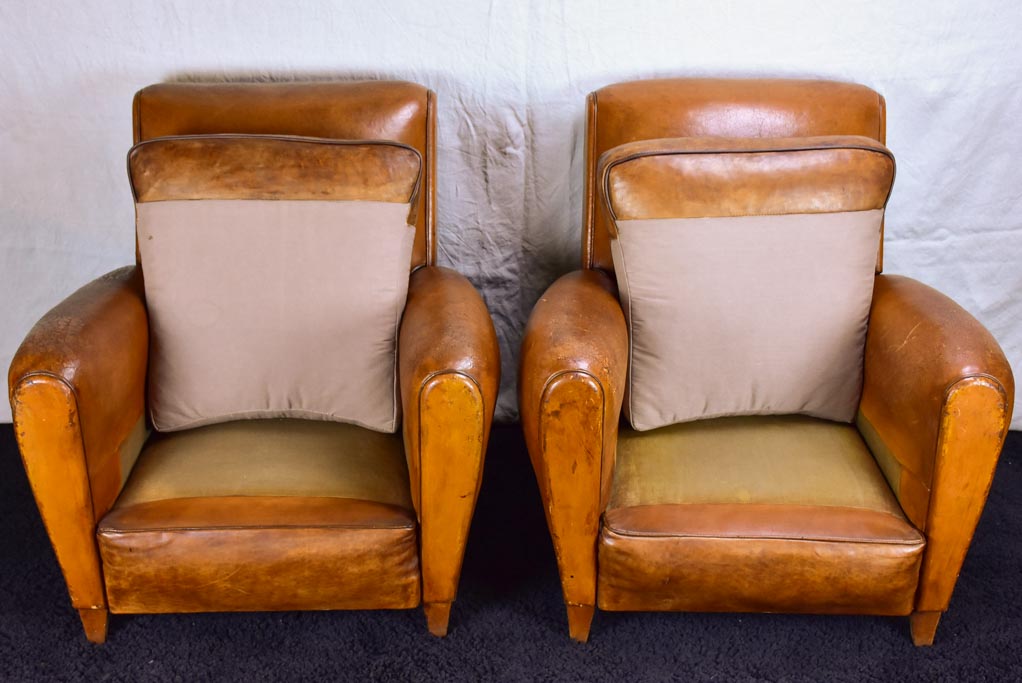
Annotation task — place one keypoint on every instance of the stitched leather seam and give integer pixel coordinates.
(631, 348)
(430, 237)
(239, 527)
(589, 258)
(808, 510)
(790, 538)
(260, 414)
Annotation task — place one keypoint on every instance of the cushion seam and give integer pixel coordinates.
(102, 531)
(789, 537)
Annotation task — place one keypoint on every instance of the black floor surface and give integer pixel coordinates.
(508, 623)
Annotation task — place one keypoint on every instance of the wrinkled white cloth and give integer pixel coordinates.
(511, 79)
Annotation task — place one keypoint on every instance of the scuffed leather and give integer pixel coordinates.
(274, 167)
(96, 342)
(706, 177)
(939, 393)
(448, 374)
(77, 390)
(571, 386)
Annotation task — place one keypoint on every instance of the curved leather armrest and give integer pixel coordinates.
(77, 391)
(571, 387)
(448, 372)
(936, 405)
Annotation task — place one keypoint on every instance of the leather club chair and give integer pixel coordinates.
(735, 508)
(279, 512)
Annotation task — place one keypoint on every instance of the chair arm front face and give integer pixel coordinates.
(449, 372)
(77, 391)
(571, 385)
(936, 406)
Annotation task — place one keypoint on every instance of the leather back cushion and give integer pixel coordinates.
(716, 107)
(276, 271)
(746, 272)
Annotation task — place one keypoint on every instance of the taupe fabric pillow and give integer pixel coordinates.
(746, 273)
(276, 271)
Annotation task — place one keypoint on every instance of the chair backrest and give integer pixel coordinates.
(356, 110)
(745, 268)
(736, 108)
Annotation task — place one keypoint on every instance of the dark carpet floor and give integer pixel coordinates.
(508, 623)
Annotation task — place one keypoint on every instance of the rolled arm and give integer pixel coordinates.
(77, 392)
(448, 373)
(936, 406)
(571, 386)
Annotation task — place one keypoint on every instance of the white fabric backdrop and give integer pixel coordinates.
(511, 79)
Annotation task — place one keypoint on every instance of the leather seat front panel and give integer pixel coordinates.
(756, 575)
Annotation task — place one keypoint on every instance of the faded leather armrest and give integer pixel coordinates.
(936, 405)
(77, 391)
(449, 372)
(571, 386)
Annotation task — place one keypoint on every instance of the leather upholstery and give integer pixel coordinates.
(296, 254)
(356, 110)
(274, 167)
(748, 573)
(449, 374)
(571, 385)
(795, 508)
(269, 514)
(249, 554)
(735, 108)
(781, 232)
(707, 177)
(725, 532)
(938, 397)
(77, 390)
(315, 498)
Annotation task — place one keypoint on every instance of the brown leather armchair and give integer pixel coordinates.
(262, 514)
(755, 513)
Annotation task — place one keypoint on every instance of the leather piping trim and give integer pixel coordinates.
(589, 208)
(44, 373)
(430, 181)
(289, 414)
(631, 336)
(605, 181)
(412, 200)
(775, 537)
(261, 527)
(426, 381)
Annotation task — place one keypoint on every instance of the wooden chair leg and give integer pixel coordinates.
(94, 621)
(438, 614)
(580, 618)
(924, 627)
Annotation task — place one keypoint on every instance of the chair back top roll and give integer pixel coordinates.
(719, 108)
(398, 111)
